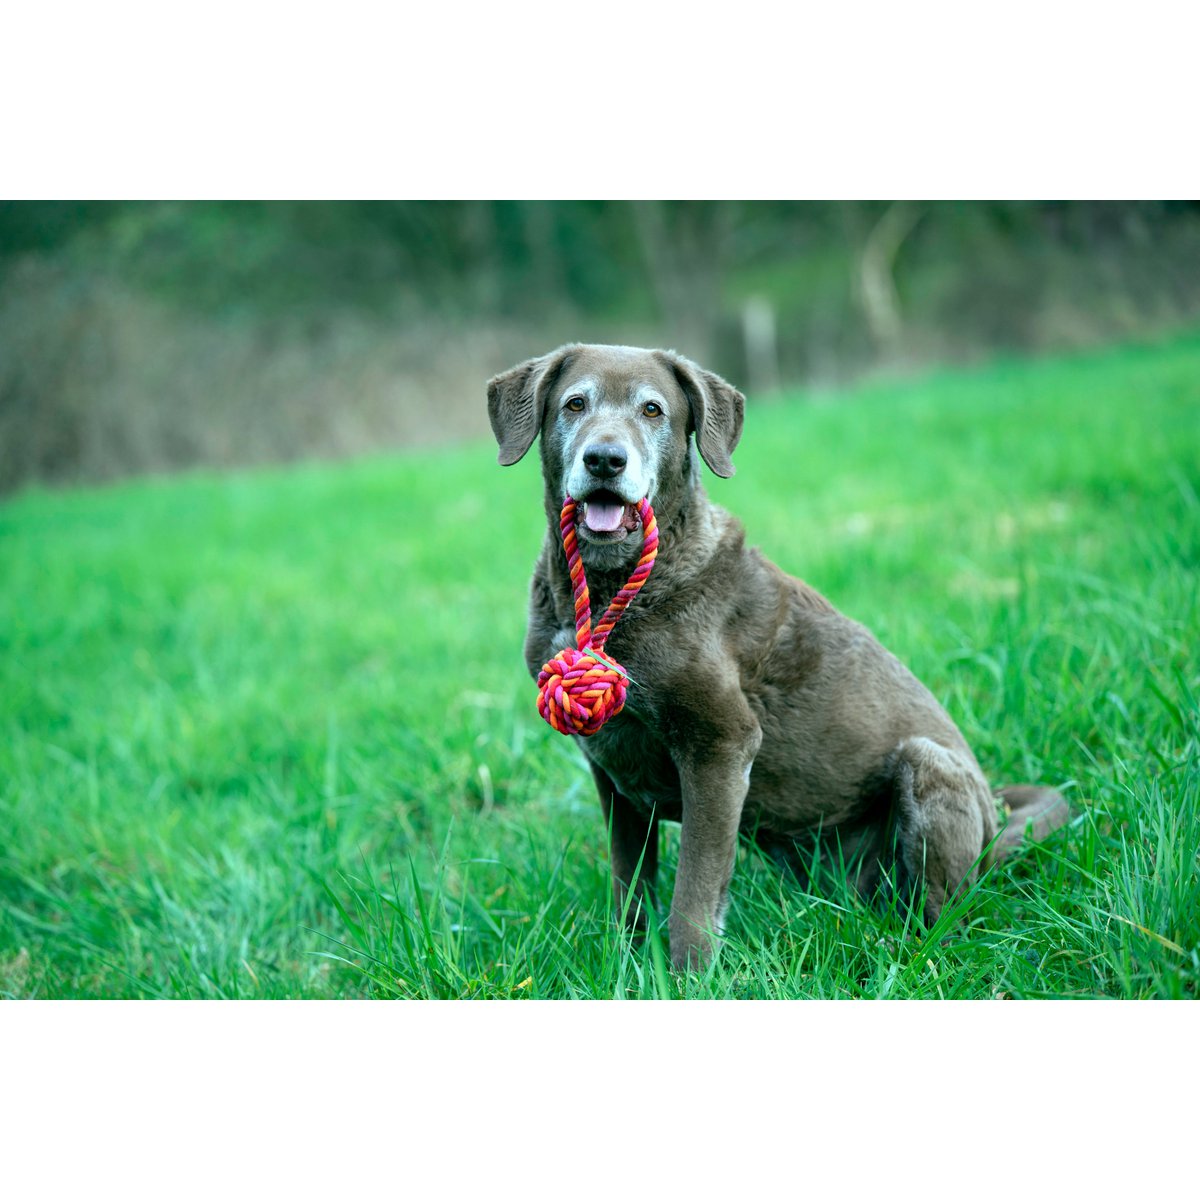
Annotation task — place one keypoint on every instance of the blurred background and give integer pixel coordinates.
(150, 336)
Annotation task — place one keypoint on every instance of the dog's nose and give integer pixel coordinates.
(604, 460)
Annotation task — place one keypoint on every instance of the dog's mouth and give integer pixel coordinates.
(606, 517)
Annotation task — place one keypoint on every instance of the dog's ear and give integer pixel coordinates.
(517, 400)
(717, 408)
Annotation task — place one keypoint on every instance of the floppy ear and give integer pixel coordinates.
(718, 409)
(517, 399)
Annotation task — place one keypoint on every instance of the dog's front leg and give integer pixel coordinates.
(633, 851)
(714, 778)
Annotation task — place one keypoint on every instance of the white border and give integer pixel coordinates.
(535, 1099)
(930, 99)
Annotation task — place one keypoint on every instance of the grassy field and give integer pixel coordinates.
(269, 735)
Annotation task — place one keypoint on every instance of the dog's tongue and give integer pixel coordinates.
(604, 518)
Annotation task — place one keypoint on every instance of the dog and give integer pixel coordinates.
(756, 707)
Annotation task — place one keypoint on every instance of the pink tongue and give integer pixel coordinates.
(604, 518)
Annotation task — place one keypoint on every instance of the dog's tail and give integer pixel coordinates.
(1033, 810)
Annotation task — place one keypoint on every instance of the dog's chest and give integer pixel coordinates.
(628, 748)
(638, 764)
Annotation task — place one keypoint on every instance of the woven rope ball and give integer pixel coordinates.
(577, 692)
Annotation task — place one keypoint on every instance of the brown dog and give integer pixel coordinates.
(757, 706)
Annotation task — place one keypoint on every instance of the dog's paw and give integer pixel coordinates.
(692, 949)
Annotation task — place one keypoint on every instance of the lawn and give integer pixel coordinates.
(269, 734)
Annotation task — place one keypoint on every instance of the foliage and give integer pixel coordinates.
(145, 336)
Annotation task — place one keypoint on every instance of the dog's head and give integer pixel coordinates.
(615, 424)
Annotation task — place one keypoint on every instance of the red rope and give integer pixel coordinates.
(579, 688)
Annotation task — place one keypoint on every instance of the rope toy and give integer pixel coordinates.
(579, 689)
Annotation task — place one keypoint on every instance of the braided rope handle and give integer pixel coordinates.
(585, 636)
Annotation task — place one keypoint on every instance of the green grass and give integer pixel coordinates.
(269, 735)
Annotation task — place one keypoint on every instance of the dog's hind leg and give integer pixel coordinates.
(945, 816)
(633, 851)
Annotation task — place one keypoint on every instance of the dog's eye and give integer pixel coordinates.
(574, 404)
(651, 409)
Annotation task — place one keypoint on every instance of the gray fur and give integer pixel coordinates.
(757, 707)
